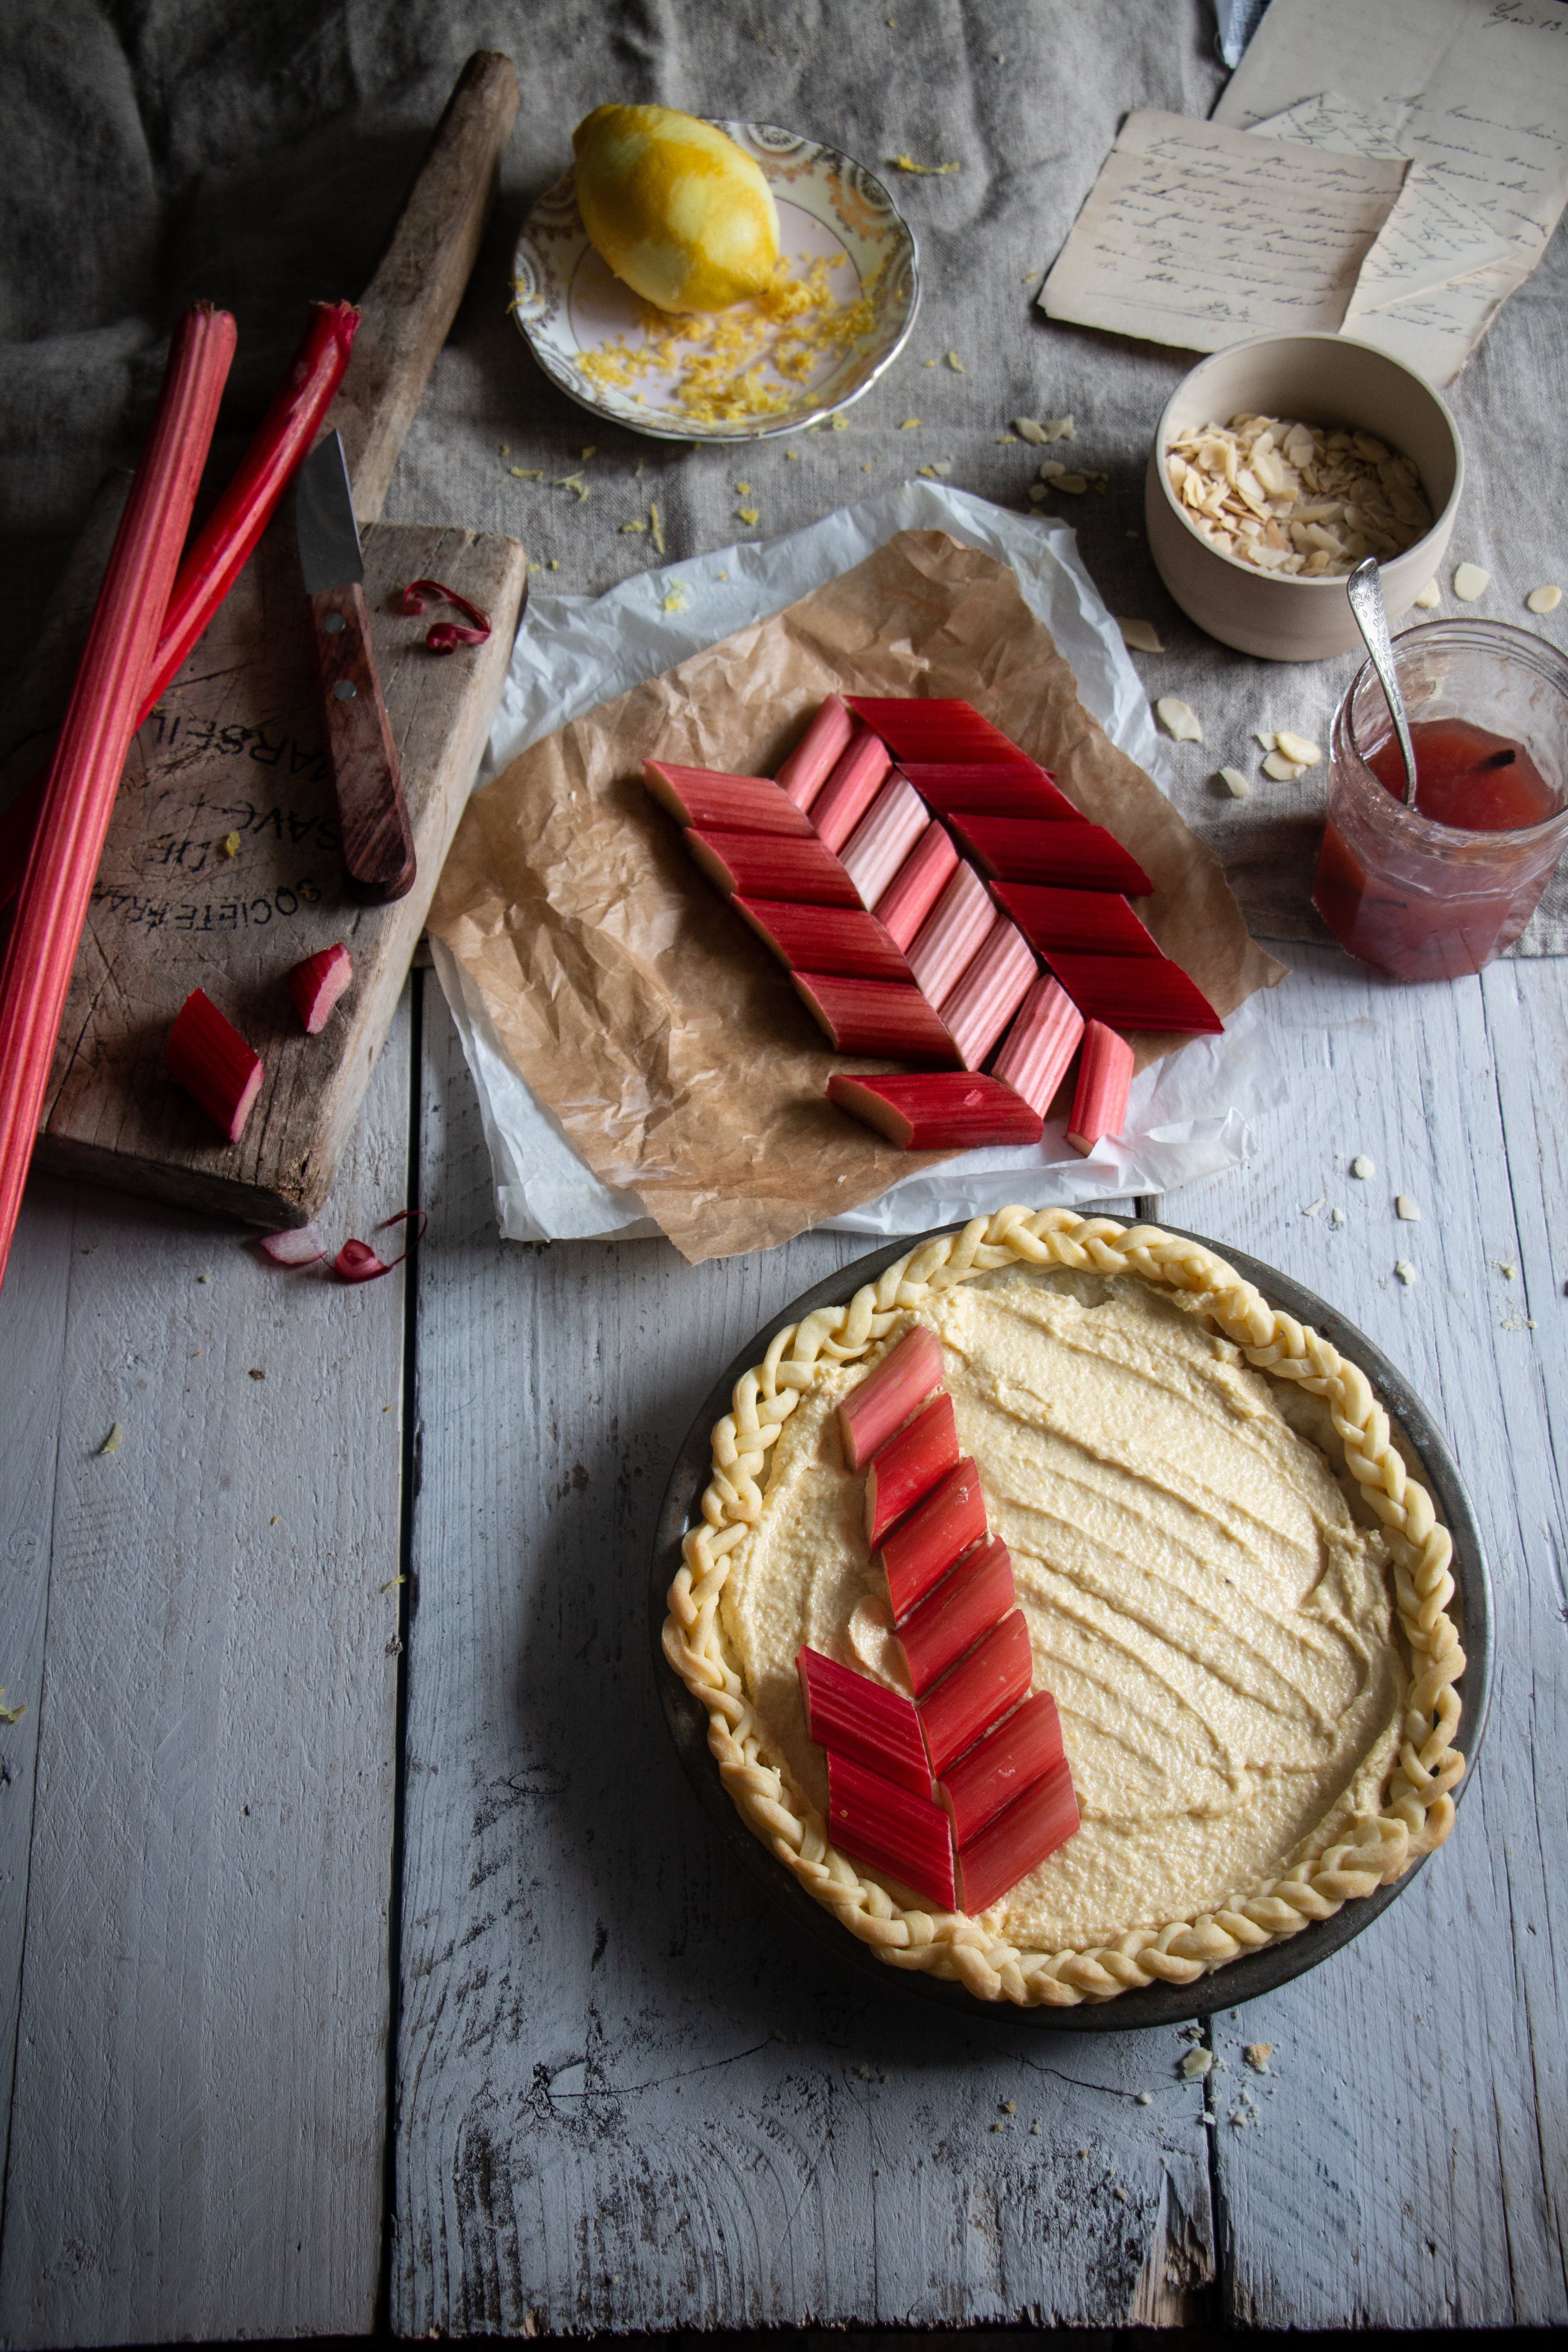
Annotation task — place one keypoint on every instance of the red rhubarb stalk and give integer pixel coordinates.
(1037, 1050)
(922, 1548)
(884, 838)
(317, 983)
(1018, 1840)
(938, 1110)
(881, 1402)
(918, 885)
(1027, 849)
(850, 1714)
(951, 933)
(734, 804)
(985, 996)
(1135, 991)
(876, 1016)
(994, 1677)
(1010, 1757)
(772, 866)
(207, 1056)
(914, 1460)
(99, 722)
(1087, 922)
(446, 637)
(1104, 1078)
(844, 941)
(906, 1837)
(223, 547)
(989, 789)
(850, 789)
(953, 1616)
(817, 753)
(935, 728)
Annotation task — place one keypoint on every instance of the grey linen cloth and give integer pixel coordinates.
(162, 150)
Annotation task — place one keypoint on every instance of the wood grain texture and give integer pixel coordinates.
(630, 2096)
(196, 2138)
(412, 298)
(220, 871)
(376, 839)
(1403, 2164)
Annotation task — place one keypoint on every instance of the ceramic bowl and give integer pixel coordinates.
(569, 304)
(1324, 380)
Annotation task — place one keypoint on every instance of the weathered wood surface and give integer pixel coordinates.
(235, 755)
(193, 1990)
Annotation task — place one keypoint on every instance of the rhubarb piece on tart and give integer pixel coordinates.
(903, 1471)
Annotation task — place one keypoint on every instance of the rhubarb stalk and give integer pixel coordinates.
(886, 1398)
(876, 1016)
(904, 1836)
(734, 804)
(951, 1618)
(850, 789)
(317, 983)
(984, 999)
(918, 885)
(915, 1459)
(772, 866)
(922, 1548)
(884, 838)
(1010, 1757)
(226, 543)
(1104, 1078)
(817, 754)
(1035, 1053)
(988, 789)
(939, 1110)
(968, 1700)
(850, 1714)
(951, 933)
(845, 941)
(1018, 1840)
(101, 719)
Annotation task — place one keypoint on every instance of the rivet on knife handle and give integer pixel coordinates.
(377, 841)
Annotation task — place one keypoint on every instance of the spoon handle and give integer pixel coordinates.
(1364, 590)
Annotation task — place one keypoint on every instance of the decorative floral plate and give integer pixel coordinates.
(847, 240)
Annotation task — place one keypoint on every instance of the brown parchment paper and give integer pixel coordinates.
(642, 1012)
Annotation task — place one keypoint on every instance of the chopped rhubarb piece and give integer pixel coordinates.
(994, 1677)
(932, 728)
(850, 1714)
(881, 1402)
(1134, 991)
(989, 991)
(733, 803)
(316, 985)
(907, 1838)
(1035, 1053)
(953, 1617)
(876, 1016)
(850, 789)
(1083, 922)
(843, 940)
(1012, 1756)
(922, 1548)
(817, 753)
(938, 1110)
(212, 1061)
(1018, 1840)
(1073, 856)
(914, 1460)
(986, 788)
(772, 866)
(918, 883)
(884, 838)
(952, 932)
(1099, 1098)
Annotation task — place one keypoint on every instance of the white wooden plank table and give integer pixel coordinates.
(621, 2093)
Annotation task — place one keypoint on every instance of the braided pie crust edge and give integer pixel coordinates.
(1417, 1808)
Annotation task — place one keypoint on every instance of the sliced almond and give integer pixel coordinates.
(1296, 747)
(1141, 635)
(1178, 718)
(1283, 771)
(1261, 736)
(1431, 596)
(1470, 582)
(1235, 783)
(1544, 600)
(1028, 430)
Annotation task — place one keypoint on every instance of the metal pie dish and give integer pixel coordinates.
(1239, 1980)
(567, 302)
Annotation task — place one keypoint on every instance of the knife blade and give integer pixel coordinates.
(376, 840)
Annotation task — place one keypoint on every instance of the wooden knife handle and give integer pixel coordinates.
(412, 300)
(377, 841)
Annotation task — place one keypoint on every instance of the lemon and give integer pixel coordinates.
(678, 211)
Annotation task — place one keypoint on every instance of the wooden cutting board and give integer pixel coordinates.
(220, 870)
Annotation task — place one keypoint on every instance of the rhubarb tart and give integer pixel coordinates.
(1067, 1618)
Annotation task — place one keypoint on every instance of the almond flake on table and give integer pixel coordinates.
(1431, 596)
(1235, 783)
(1470, 582)
(1544, 599)
(1405, 1270)
(956, 365)
(1178, 718)
(1141, 635)
(1363, 1167)
(1261, 735)
(1296, 747)
(1283, 771)
(1406, 1209)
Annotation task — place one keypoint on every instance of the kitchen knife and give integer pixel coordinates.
(376, 842)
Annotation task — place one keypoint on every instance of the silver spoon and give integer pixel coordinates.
(1364, 590)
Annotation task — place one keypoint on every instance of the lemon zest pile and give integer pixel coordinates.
(727, 366)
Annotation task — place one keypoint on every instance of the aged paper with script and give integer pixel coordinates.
(1475, 92)
(640, 1011)
(1202, 235)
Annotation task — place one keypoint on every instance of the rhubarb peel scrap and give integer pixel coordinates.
(882, 1401)
(906, 1837)
(850, 1714)
(903, 1471)
(295, 1246)
(357, 1262)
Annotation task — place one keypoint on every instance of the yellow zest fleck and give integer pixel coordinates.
(393, 1581)
(272, 1522)
(506, 448)
(928, 171)
(11, 1713)
(956, 365)
(527, 473)
(590, 451)
(111, 1442)
(554, 564)
(675, 601)
(1003, 439)
(747, 514)
(841, 425)
(229, 845)
(928, 364)
(742, 489)
(723, 575)
(792, 456)
(909, 424)
(634, 526)
(656, 525)
(569, 482)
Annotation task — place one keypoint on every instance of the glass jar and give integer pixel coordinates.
(1422, 900)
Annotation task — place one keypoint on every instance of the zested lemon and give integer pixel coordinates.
(678, 211)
